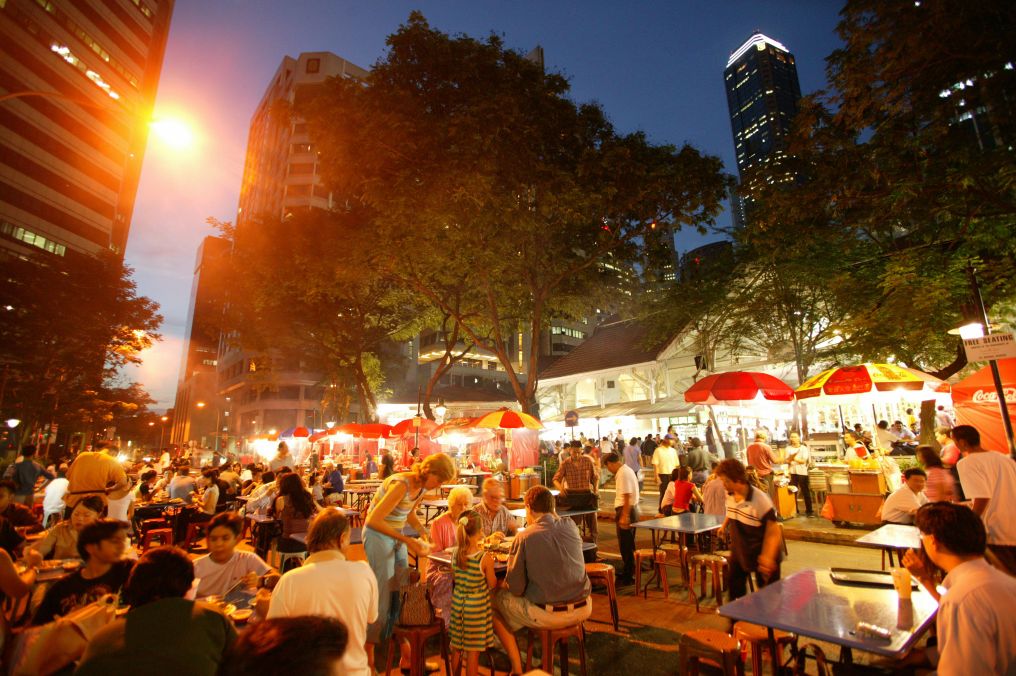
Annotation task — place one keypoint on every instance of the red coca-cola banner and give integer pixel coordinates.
(976, 403)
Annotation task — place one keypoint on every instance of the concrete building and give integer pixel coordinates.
(280, 176)
(197, 405)
(77, 85)
(762, 93)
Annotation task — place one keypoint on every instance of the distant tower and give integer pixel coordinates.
(762, 94)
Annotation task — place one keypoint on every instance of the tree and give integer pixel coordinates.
(314, 285)
(477, 172)
(70, 323)
(905, 176)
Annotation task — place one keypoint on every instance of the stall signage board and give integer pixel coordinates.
(994, 346)
(571, 419)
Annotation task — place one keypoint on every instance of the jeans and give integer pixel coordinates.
(804, 486)
(626, 541)
(385, 555)
(664, 482)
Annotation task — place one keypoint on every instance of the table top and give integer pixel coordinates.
(688, 522)
(810, 603)
(445, 556)
(442, 503)
(892, 535)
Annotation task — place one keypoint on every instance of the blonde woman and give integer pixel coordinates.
(443, 536)
(394, 506)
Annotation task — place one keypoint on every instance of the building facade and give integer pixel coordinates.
(762, 94)
(77, 86)
(197, 405)
(280, 176)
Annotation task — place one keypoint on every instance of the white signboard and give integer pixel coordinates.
(995, 346)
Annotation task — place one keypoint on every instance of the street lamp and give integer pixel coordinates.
(12, 422)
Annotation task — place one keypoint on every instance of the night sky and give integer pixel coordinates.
(653, 66)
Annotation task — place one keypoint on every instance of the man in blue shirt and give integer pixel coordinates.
(26, 473)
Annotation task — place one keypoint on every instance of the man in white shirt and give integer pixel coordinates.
(626, 511)
(52, 501)
(901, 506)
(664, 461)
(327, 584)
(976, 631)
(989, 479)
(885, 437)
(224, 566)
(799, 457)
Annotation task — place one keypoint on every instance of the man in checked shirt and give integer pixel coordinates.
(576, 479)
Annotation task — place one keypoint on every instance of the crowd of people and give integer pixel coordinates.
(168, 607)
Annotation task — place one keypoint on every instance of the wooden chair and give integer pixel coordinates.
(712, 647)
(754, 638)
(417, 638)
(703, 564)
(605, 572)
(549, 640)
(657, 560)
(164, 536)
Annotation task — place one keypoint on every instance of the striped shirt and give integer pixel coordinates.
(472, 625)
(397, 517)
(748, 519)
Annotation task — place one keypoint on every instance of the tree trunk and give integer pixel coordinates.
(927, 437)
(957, 364)
(368, 404)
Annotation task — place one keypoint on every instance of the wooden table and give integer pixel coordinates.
(810, 603)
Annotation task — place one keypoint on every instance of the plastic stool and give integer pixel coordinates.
(605, 572)
(417, 638)
(755, 637)
(712, 647)
(163, 535)
(549, 639)
(194, 530)
(703, 564)
(283, 557)
(659, 561)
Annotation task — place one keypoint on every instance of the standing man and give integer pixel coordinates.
(311, 589)
(700, 461)
(760, 456)
(626, 512)
(754, 532)
(96, 473)
(576, 479)
(631, 458)
(799, 457)
(648, 446)
(989, 479)
(664, 461)
(26, 473)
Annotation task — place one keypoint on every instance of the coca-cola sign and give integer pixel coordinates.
(991, 396)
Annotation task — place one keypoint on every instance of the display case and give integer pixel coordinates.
(863, 501)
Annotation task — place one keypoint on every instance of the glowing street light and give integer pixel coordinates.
(174, 132)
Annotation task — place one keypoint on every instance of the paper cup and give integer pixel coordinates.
(901, 580)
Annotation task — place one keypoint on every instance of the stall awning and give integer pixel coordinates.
(664, 408)
(608, 411)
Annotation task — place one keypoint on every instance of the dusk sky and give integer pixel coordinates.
(653, 66)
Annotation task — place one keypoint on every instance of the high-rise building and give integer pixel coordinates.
(77, 86)
(197, 399)
(280, 175)
(762, 94)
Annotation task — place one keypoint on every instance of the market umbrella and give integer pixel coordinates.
(507, 419)
(931, 383)
(373, 431)
(859, 379)
(738, 386)
(295, 432)
(317, 436)
(734, 388)
(406, 427)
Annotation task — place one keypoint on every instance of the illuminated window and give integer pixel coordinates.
(32, 239)
(67, 55)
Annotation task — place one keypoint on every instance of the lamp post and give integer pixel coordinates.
(162, 431)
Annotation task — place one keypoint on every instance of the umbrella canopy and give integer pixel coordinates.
(406, 427)
(317, 436)
(931, 383)
(738, 386)
(508, 419)
(365, 430)
(295, 432)
(464, 430)
(860, 379)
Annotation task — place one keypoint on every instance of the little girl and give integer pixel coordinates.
(472, 626)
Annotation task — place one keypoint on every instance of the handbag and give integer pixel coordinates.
(416, 610)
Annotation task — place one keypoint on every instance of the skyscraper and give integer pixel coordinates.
(198, 384)
(280, 175)
(762, 94)
(77, 86)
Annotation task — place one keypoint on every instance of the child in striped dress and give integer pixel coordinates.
(472, 622)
